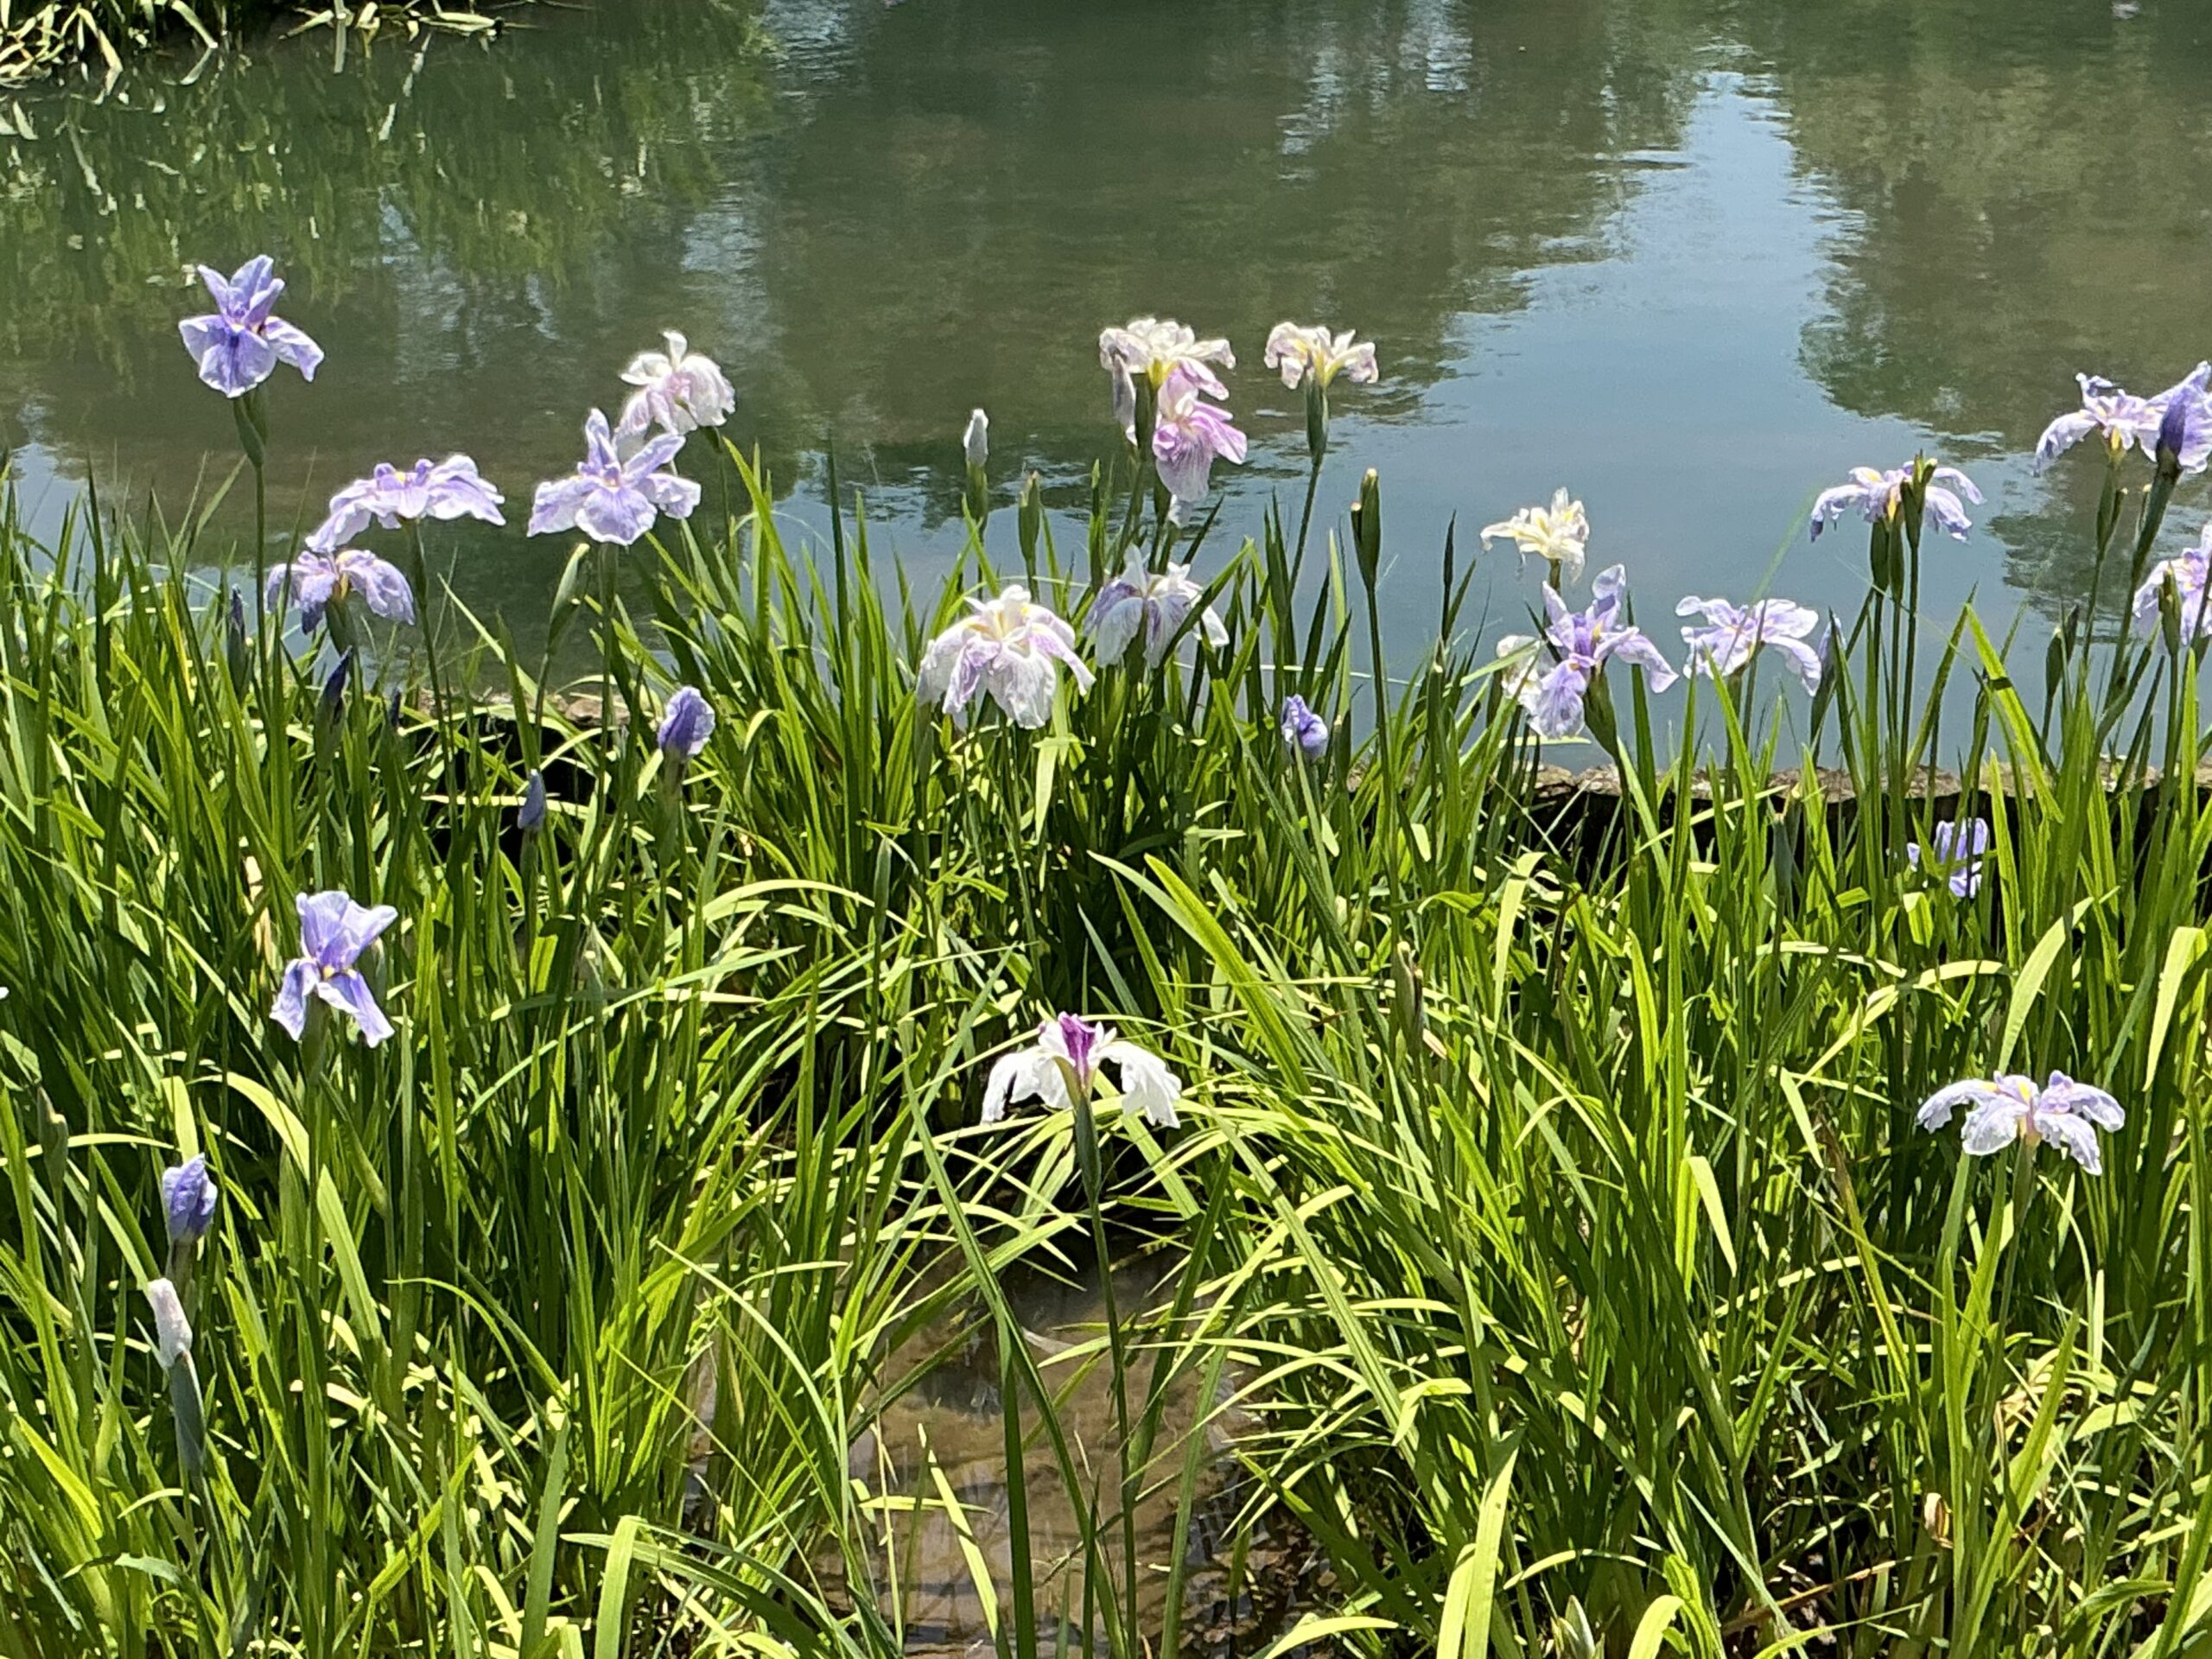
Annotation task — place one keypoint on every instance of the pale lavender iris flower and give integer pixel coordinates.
(318, 581)
(1581, 643)
(1190, 435)
(1299, 352)
(1954, 853)
(2125, 419)
(1008, 648)
(334, 933)
(239, 344)
(1559, 534)
(1303, 730)
(188, 1198)
(686, 724)
(1062, 1066)
(679, 391)
(2190, 573)
(1733, 632)
(1138, 602)
(611, 499)
(1875, 496)
(1156, 348)
(2009, 1107)
(451, 488)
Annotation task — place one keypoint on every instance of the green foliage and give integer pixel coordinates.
(1548, 1222)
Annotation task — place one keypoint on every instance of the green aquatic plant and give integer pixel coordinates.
(1532, 1185)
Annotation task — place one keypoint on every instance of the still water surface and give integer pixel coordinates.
(1694, 258)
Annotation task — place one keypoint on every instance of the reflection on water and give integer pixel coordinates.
(1693, 257)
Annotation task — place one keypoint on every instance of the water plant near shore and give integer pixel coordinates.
(1542, 1197)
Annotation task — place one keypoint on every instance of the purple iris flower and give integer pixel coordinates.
(2009, 1107)
(333, 932)
(2185, 427)
(1956, 853)
(687, 725)
(1733, 632)
(611, 499)
(334, 689)
(1303, 729)
(2127, 419)
(530, 818)
(317, 580)
(1876, 496)
(2191, 572)
(446, 489)
(1582, 643)
(188, 1200)
(238, 344)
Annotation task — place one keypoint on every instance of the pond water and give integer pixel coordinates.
(1693, 257)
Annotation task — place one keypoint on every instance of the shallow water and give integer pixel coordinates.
(934, 1468)
(1693, 257)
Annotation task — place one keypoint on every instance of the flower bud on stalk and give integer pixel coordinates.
(173, 1346)
(188, 1201)
(530, 818)
(1912, 499)
(975, 449)
(1144, 410)
(2180, 449)
(1884, 566)
(1406, 1006)
(685, 729)
(2173, 435)
(250, 411)
(1317, 419)
(1029, 519)
(1367, 527)
(334, 689)
(235, 654)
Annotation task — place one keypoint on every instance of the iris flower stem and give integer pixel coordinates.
(608, 643)
(260, 537)
(1305, 517)
(1091, 1166)
(2024, 1158)
(1140, 442)
(2154, 516)
(313, 1078)
(2107, 522)
(1904, 651)
(1386, 775)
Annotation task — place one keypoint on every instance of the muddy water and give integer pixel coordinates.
(943, 1445)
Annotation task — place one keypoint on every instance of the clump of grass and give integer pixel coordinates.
(39, 37)
(1547, 1222)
